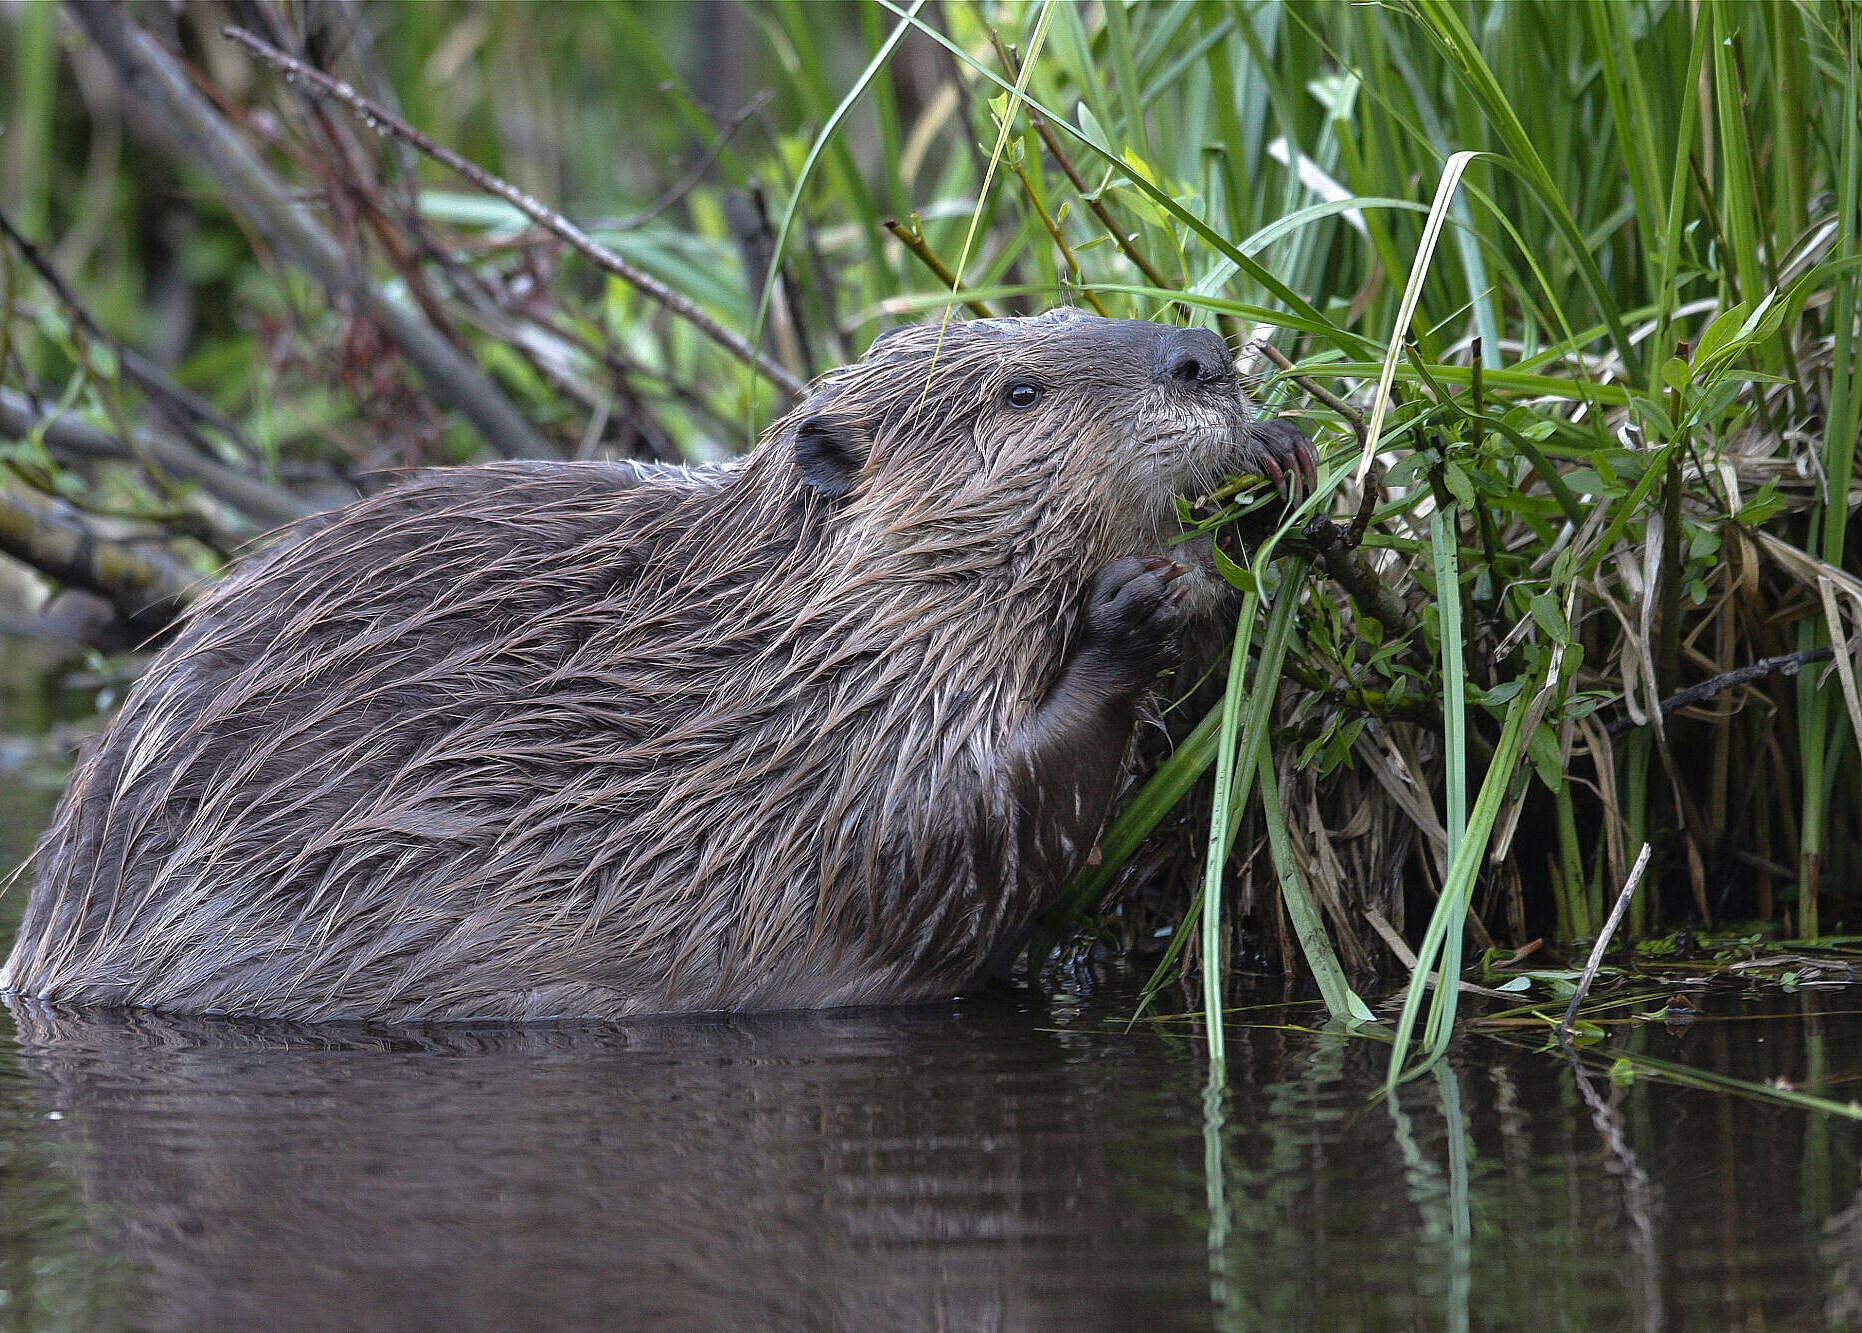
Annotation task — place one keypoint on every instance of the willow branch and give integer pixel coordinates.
(196, 132)
(1339, 556)
(913, 239)
(1349, 570)
(378, 117)
(1087, 195)
(1314, 389)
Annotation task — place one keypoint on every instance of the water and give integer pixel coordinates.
(978, 1165)
(1011, 1162)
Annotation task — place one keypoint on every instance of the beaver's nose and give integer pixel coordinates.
(1193, 357)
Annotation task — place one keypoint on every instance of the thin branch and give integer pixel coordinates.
(914, 240)
(1788, 664)
(1058, 236)
(1313, 388)
(196, 132)
(1374, 481)
(378, 118)
(1339, 557)
(1353, 536)
(70, 437)
(1350, 571)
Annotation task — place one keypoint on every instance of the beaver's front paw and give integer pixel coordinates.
(1131, 619)
(1280, 449)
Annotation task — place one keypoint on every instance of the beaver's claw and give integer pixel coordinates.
(1280, 449)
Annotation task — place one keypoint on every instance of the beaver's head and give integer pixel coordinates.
(1064, 431)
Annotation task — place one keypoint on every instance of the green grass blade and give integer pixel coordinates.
(829, 134)
(1452, 172)
(1159, 795)
(1308, 926)
(1632, 112)
(1347, 341)
(1444, 552)
(1733, 196)
(1435, 954)
(1220, 835)
(1839, 446)
(1465, 58)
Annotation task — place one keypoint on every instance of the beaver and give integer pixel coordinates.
(820, 726)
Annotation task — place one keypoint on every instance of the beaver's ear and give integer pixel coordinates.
(830, 451)
(897, 330)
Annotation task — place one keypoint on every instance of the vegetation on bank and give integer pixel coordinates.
(1567, 294)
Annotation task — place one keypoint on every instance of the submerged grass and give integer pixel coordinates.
(1570, 293)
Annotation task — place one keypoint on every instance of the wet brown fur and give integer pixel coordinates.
(529, 741)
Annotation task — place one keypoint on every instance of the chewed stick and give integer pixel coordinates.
(1603, 942)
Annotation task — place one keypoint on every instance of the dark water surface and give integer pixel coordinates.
(1007, 1163)
(980, 1165)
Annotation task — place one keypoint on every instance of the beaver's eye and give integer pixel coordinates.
(1022, 394)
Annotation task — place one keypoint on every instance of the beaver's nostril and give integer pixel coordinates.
(1193, 356)
(1188, 369)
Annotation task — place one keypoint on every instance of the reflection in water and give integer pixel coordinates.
(1842, 1250)
(1642, 1280)
(1441, 1200)
(989, 1165)
(776, 1171)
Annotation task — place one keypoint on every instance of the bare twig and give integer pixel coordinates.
(1788, 664)
(378, 118)
(1404, 955)
(913, 239)
(196, 131)
(690, 181)
(1603, 942)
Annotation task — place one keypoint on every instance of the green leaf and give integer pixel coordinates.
(1549, 617)
(1456, 479)
(1765, 505)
